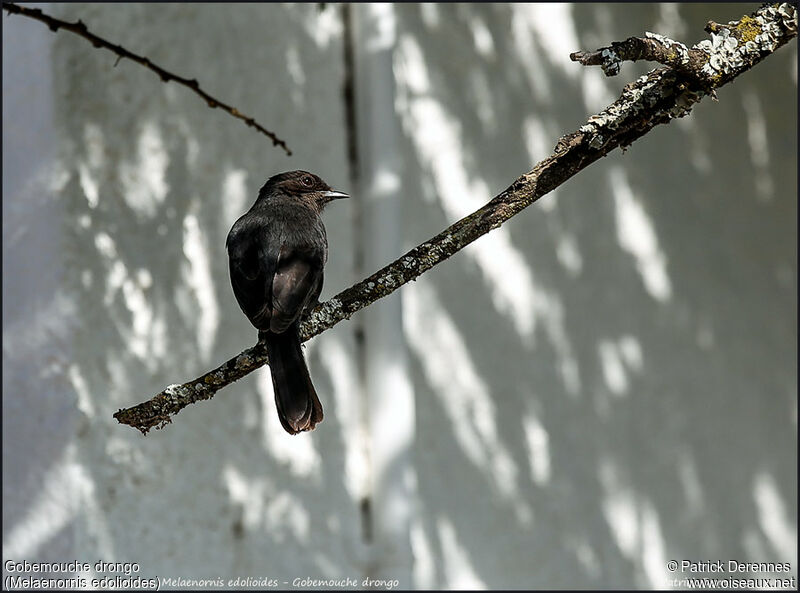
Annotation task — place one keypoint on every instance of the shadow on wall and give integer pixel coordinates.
(603, 384)
(608, 378)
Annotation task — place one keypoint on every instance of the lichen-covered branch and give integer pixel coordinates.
(732, 48)
(653, 48)
(656, 98)
(79, 28)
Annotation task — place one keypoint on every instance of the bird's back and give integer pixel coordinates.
(277, 235)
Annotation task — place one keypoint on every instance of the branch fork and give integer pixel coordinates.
(710, 62)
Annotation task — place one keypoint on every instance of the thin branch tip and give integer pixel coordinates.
(79, 28)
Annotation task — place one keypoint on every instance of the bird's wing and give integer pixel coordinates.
(251, 269)
(297, 280)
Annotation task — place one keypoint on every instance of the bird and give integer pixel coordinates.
(277, 252)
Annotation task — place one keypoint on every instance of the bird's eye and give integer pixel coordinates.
(307, 181)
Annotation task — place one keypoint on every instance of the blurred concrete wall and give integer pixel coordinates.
(604, 384)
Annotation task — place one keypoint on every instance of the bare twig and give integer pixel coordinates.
(654, 99)
(79, 28)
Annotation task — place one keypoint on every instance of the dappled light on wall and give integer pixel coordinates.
(636, 235)
(602, 384)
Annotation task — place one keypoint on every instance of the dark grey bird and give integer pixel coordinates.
(276, 254)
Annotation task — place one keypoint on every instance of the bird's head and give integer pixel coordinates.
(301, 185)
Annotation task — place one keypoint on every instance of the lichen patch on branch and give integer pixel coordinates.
(738, 43)
(681, 53)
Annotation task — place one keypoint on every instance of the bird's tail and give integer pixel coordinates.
(299, 408)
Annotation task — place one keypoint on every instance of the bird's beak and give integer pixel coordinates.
(335, 195)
